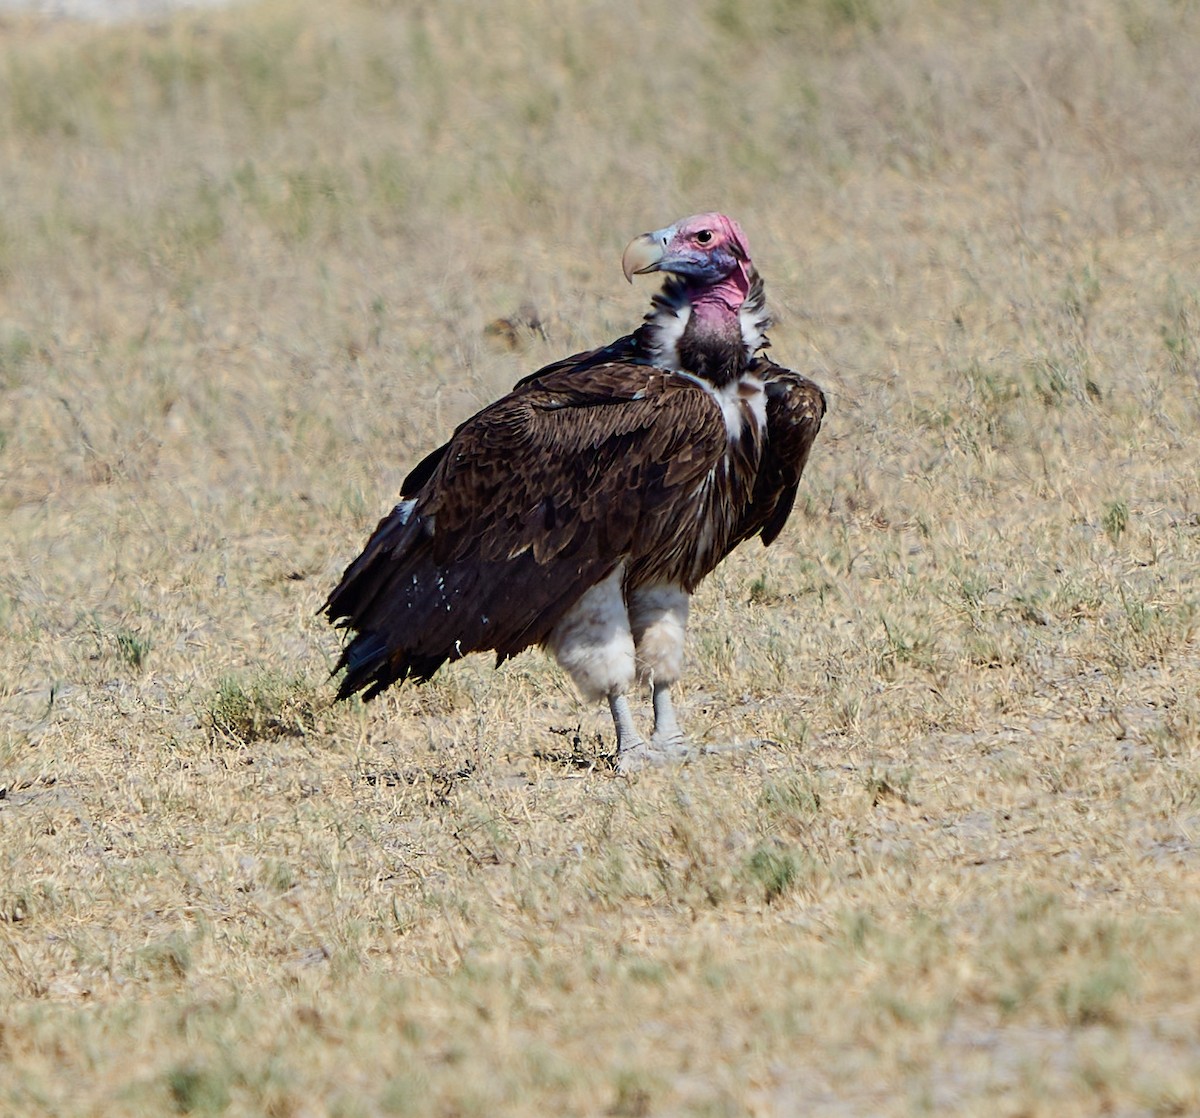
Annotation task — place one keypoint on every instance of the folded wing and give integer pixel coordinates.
(589, 463)
(795, 409)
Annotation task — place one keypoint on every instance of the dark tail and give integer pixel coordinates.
(409, 616)
(376, 598)
(371, 667)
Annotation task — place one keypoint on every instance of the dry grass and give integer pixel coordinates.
(247, 264)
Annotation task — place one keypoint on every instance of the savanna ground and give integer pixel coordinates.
(251, 267)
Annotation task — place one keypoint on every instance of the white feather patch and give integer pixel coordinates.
(754, 322)
(658, 615)
(670, 323)
(667, 322)
(738, 400)
(593, 642)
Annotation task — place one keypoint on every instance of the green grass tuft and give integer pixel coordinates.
(775, 870)
(133, 647)
(1115, 520)
(198, 1090)
(263, 707)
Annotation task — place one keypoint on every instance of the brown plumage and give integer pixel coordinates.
(581, 509)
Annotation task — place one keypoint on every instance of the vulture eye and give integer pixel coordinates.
(704, 236)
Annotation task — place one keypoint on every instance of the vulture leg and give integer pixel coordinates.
(666, 747)
(629, 742)
(658, 618)
(668, 736)
(632, 751)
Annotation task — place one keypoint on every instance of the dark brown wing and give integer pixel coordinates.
(530, 503)
(624, 350)
(795, 408)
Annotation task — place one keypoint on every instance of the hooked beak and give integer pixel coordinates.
(644, 254)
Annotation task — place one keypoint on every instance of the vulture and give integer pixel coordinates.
(580, 511)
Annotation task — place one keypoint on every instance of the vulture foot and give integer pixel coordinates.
(655, 755)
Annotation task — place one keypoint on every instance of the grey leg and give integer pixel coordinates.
(628, 739)
(668, 745)
(668, 736)
(665, 748)
(632, 751)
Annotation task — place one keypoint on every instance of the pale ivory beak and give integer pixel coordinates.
(642, 254)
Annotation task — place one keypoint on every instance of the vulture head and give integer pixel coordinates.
(707, 251)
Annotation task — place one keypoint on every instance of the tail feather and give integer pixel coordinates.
(371, 666)
(362, 658)
(410, 615)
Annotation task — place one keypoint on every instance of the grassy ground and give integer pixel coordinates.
(249, 266)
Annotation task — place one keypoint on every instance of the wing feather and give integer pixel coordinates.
(795, 409)
(530, 503)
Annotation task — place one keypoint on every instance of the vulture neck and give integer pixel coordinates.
(710, 332)
(711, 346)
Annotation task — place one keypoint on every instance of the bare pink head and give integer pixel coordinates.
(707, 251)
